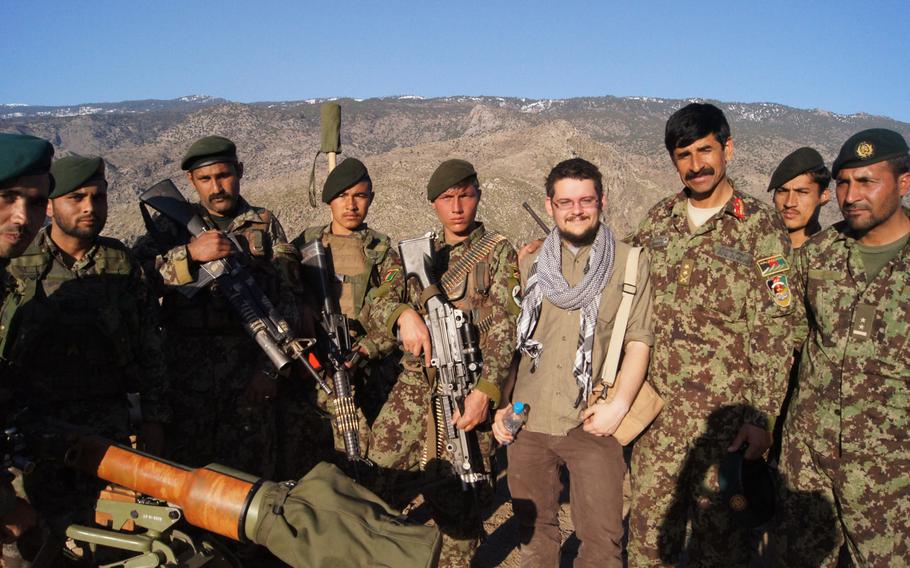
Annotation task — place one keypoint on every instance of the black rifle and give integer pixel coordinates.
(536, 217)
(259, 317)
(335, 344)
(456, 357)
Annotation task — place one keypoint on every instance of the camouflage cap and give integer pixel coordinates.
(75, 171)
(449, 174)
(348, 173)
(22, 155)
(798, 162)
(869, 147)
(207, 151)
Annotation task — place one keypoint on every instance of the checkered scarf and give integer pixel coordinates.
(545, 280)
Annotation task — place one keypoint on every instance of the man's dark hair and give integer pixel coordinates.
(822, 176)
(693, 122)
(900, 165)
(575, 168)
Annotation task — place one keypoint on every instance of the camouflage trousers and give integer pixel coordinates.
(678, 510)
(861, 499)
(399, 447)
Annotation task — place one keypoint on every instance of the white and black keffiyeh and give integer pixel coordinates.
(545, 280)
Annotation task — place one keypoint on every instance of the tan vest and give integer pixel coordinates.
(350, 266)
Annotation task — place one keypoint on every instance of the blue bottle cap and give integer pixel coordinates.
(518, 407)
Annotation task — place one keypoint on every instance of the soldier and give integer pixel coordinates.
(579, 272)
(83, 333)
(25, 183)
(489, 278)
(800, 186)
(360, 256)
(723, 313)
(846, 437)
(224, 387)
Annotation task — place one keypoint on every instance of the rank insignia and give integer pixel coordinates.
(739, 210)
(864, 150)
(779, 287)
(773, 265)
(390, 275)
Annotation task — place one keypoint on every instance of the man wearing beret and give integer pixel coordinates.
(800, 186)
(847, 436)
(724, 318)
(83, 332)
(224, 387)
(25, 183)
(401, 440)
(362, 259)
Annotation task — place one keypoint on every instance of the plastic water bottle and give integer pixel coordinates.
(516, 417)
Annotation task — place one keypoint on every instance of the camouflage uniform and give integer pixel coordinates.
(212, 359)
(360, 260)
(847, 436)
(402, 439)
(724, 316)
(81, 335)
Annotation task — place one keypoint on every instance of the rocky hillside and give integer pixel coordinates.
(513, 143)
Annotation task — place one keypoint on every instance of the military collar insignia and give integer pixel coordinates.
(864, 150)
(739, 209)
(773, 265)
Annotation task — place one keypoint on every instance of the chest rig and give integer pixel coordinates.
(72, 329)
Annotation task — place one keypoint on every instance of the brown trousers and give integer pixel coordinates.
(596, 470)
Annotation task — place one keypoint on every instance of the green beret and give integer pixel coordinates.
(23, 155)
(348, 173)
(797, 163)
(207, 151)
(869, 147)
(449, 174)
(75, 171)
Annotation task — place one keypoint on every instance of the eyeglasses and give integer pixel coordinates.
(566, 204)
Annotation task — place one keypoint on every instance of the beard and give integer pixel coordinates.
(72, 229)
(874, 219)
(579, 239)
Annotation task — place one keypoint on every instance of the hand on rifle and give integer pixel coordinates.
(210, 245)
(414, 335)
(759, 441)
(476, 410)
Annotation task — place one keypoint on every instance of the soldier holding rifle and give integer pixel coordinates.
(224, 386)
(477, 270)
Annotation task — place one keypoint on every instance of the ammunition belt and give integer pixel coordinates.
(451, 281)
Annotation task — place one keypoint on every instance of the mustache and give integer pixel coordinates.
(857, 206)
(705, 171)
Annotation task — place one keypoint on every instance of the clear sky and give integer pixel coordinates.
(841, 55)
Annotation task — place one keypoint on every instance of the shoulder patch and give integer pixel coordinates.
(390, 275)
(773, 265)
(779, 287)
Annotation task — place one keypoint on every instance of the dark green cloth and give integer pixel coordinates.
(797, 163)
(22, 155)
(330, 133)
(869, 147)
(348, 173)
(207, 151)
(449, 174)
(74, 171)
(876, 257)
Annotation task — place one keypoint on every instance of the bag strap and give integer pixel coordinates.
(629, 288)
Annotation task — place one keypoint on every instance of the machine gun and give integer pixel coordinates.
(456, 358)
(299, 522)
(259, 317)
(335, 344)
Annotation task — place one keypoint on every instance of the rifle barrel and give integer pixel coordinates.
(536, 217)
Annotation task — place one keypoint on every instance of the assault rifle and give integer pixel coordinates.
(456, 358)
(335, 344)
(138, 514)
(259, 317)
(543, 226)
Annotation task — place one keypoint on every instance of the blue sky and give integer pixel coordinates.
(843, 56)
